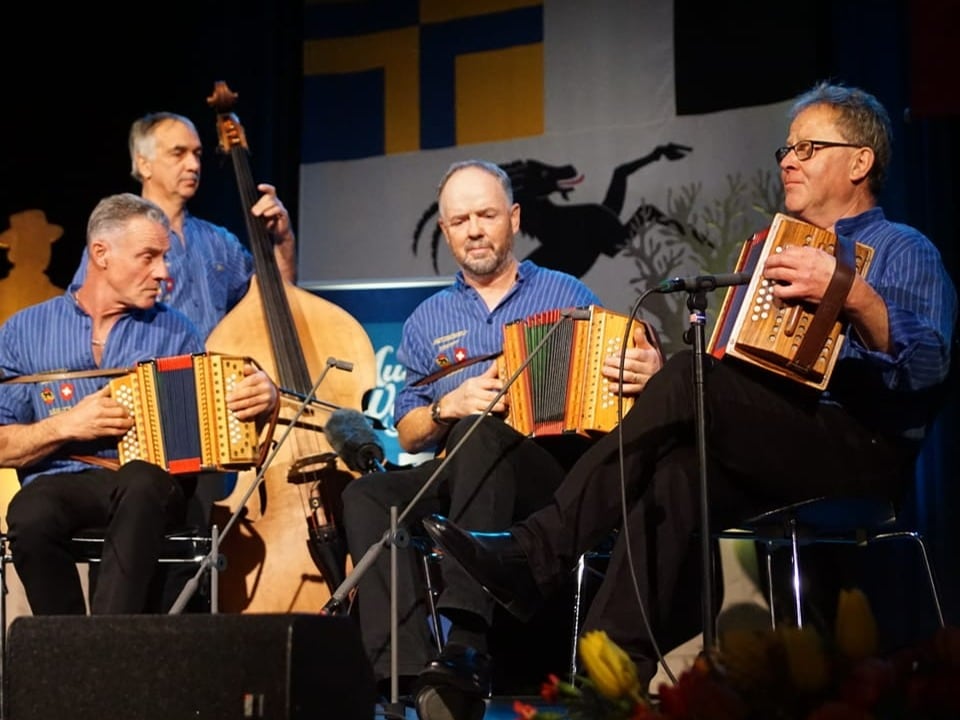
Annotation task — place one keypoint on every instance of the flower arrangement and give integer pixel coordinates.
(783, 674)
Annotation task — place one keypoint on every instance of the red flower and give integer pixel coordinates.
(642, 711)
(549, 690)
(933, 692)
(869, 681)
(524, 711)
(698, 694)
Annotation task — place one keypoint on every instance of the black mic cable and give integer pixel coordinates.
(625, 526)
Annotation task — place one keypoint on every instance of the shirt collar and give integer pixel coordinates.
(848, 225)
(525, 269)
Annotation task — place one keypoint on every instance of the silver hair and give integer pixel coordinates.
(142, 140)
(862, 120)
(492, 168)
(114, 212)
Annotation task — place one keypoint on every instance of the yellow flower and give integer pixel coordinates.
(608, 666)
(806, 659)
(856, 629)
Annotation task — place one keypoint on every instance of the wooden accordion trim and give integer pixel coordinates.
(562, 389)
(182, 421)
(755, 327)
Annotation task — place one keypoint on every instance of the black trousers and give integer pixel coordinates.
(770, 443)
(134, 505)
(170, 578)
(495, 478)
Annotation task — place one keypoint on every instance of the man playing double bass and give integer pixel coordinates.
(209, 268)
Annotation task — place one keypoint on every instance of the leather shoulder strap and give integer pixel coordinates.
(65, 375)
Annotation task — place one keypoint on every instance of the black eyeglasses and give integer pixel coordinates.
(805, 148)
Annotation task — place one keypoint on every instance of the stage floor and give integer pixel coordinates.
(498, 708)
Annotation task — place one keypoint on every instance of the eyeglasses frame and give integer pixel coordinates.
(781, 152)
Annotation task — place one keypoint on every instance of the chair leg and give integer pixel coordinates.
(215, 569)
(795, 556)
(770, 594)
(934, 593)
(580, 574)
(427, 560)
(927, 565)
(3, 625)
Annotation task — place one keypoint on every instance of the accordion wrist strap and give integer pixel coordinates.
(830, 306)
(108, 463)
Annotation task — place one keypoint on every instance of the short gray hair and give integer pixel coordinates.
(862, 119)
(142, 140)
(114, 212)
(492, 168)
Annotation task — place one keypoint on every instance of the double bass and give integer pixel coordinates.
(283, 553)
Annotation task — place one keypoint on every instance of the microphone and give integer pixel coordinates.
(703, 282)
(352, 438)
(344, 365)
(576, 313)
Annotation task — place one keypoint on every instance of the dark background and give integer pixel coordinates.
(74, 79)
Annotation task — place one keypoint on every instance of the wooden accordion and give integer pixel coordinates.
(562, 388)
(181, 419)
(796, 340)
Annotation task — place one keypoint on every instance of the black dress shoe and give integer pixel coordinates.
(459, 666)
(494, 560)
(448, 703)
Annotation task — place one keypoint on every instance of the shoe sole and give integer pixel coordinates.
(432, 680)
(448, 703)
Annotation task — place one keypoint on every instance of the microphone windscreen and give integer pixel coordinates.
(352, 438)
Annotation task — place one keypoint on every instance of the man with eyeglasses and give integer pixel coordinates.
(772, 441)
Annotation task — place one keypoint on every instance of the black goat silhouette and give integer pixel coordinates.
(572, 237)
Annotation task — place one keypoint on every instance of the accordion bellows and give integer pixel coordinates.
(182, 423)
(562, 389)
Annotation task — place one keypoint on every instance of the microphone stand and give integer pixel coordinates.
(213, 560)
(395, 537)
(697, 304)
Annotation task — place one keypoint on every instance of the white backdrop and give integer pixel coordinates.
(607, 92)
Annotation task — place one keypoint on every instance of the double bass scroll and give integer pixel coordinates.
(291, 333)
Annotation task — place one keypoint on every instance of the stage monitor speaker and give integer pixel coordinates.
(180, 667)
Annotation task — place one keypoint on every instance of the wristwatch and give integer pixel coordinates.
(435, 414)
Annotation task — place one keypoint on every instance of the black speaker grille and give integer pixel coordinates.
(187, 667)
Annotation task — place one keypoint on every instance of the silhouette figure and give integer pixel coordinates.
(4, 263)
(28, 242)
(572, 237)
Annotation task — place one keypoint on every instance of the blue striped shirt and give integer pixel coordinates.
(55, 336)
(209, 272)
(454, 324)
(897, 392)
